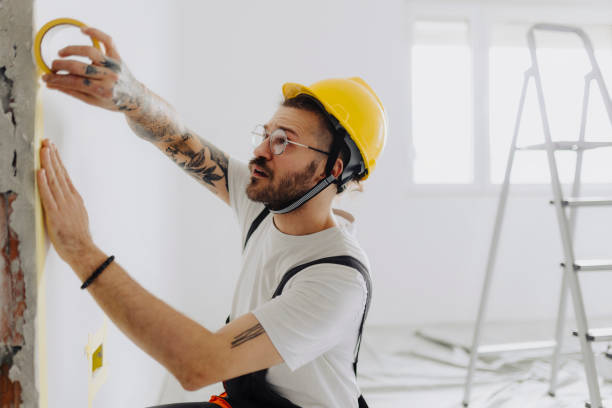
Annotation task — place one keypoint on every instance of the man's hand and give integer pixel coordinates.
(65, 213)
(106, 82)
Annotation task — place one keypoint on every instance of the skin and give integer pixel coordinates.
(195, 355)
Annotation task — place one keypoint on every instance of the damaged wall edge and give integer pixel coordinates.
(6, 94)
(20, 231)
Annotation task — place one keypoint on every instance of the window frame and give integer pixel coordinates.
(481, 16)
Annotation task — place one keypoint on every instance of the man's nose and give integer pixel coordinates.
(263, 150)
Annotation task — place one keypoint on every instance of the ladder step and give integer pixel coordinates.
(592, 265)
(606, 403)
(568, 145)
(585, 201)
(604, 334)
(525, 346)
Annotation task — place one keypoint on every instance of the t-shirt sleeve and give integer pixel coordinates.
(315, 311)
(238, 179)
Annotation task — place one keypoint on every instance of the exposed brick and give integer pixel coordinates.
(10, 392)
(12, 287)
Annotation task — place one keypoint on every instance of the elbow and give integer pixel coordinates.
(190, 385)
(191, 382)
(195, 378)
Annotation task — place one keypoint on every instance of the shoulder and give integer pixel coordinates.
(342, 283)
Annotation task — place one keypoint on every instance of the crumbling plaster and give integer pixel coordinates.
(18, 87)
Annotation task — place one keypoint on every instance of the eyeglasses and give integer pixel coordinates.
(278, 140)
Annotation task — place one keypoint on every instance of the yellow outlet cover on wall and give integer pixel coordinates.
(98, 372)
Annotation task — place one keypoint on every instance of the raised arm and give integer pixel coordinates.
(107, 83)
(156, 121)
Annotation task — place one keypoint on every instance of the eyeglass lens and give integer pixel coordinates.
(277, 139)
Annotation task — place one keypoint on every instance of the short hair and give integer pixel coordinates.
(334, 139)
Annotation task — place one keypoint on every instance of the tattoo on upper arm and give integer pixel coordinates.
(194, 162)
(247, 335)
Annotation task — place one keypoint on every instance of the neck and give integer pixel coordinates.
(314, 216)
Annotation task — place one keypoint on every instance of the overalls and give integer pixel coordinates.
(252, 390)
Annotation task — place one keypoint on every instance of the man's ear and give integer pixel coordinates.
(338, 167)
(336, 170)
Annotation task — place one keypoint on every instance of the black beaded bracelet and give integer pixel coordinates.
(97, 272)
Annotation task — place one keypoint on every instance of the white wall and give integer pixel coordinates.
(222, 65)
(129, 200)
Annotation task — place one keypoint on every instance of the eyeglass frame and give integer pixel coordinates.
(265, 134)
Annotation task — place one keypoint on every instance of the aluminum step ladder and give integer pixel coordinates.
(563, 205)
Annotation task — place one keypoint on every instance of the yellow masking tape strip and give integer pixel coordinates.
(41, 334)
(43, 68)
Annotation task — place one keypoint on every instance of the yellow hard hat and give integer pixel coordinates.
(356, 107)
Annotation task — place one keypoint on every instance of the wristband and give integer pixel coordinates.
(97, 272)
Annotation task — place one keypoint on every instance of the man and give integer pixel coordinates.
(302, 296)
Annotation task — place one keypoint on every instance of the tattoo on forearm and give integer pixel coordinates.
(194, 162)
(247, 335)
(156, 122)
(221, 159)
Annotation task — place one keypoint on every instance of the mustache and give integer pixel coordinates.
(261, 162)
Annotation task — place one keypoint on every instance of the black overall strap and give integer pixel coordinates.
(263, 214)
(339, 260)
(260, 217)
(252, 390)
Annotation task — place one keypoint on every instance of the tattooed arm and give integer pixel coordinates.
(107, 83)
(157, 122)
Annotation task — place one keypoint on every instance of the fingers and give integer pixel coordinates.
(82, 69)
(106, 39)
(51, 177)
(46, 196)
(80, 95)
(60, 172)
(65, 176)
(88, 51)
(92, 87)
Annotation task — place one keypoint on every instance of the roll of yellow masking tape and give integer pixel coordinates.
(42, 66)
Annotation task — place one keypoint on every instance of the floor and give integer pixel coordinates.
(402, 367)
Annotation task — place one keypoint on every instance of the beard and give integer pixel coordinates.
(285, 191)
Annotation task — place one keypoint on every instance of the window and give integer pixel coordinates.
(467, 73)
(563, 65)
(441, 92)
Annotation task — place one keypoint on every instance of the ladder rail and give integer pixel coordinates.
(562, 310)
(492, 256)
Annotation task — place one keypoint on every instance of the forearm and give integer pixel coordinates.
(174, 340)
(154, 119)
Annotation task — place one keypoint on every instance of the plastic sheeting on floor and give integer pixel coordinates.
(400, 369)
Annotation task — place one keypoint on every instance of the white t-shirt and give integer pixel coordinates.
(315, 322)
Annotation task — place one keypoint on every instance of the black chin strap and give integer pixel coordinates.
(321, 185)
